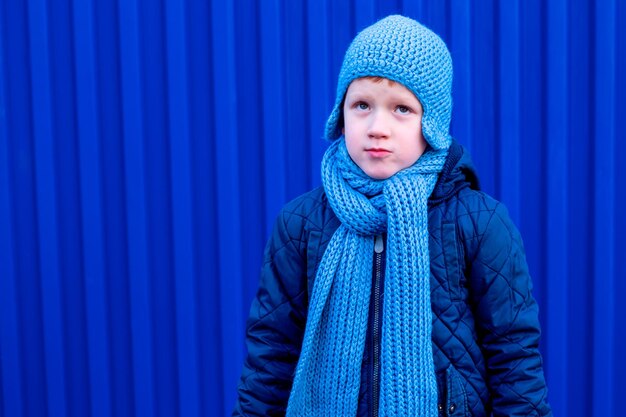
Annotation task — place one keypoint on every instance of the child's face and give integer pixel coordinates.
(382, 126)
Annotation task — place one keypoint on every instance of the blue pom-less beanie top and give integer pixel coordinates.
(405, 51)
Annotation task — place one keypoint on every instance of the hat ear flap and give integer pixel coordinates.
(436, 139)
(334, 124)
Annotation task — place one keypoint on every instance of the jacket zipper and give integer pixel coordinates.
(379, 248)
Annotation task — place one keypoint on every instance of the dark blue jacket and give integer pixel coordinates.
(485, 326)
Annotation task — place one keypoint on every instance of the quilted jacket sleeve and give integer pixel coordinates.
(507, 316)
(275, 327)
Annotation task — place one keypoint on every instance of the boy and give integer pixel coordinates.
(397, 289)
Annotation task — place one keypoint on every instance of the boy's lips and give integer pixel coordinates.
(377, 152)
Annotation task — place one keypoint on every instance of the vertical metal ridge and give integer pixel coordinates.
(109, 107)
(604, 219)
(306, 74)
(23, 179)
(364, 12)
(273, 100)
(460, 49)
(412, 9)
(619, 248)
(580, 215)
(134, 165)
(229, 231)
(180, 174)
(10, 349)
(158, 182)
(203, 141)
(435, 17)
(320, 100)
(295, 95)
(45, 174)
(209, 264)
(531, 223)
(557, 210)
(483, 62)
(96, 302)
(508, 98)
(250, 130)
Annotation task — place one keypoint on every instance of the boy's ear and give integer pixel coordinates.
(343, 130)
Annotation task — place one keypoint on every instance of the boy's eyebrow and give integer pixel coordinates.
(358, 95)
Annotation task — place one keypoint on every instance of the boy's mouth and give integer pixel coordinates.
(377, 152)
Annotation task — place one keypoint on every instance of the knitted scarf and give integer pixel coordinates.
(327, 378)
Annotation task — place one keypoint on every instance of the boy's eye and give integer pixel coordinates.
(362, 106)
(403, 109)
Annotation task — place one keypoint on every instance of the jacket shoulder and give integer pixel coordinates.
(476, 206)
(481, 220)
(310, 210)
(306, 204)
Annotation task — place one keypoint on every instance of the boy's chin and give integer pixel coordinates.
(379, 174)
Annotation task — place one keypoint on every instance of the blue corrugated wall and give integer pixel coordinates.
(146, 146)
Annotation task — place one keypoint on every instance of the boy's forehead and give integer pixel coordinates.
(365, 84)
(379, 79)
(376, 81)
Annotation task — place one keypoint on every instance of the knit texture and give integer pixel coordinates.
(327, 377)
(403, 50)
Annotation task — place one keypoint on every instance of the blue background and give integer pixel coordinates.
(146, 147)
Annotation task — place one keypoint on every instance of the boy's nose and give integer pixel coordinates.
(379, 126)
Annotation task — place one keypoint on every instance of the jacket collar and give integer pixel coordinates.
(458, 172)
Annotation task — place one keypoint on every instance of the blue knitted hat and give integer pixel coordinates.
(405, 51)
